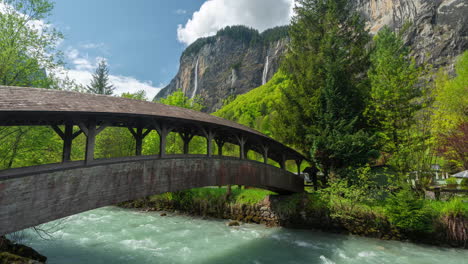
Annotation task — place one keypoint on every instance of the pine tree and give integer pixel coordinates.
(321, 113)
(100, 83)
(395, 97)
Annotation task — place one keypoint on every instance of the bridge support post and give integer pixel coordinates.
(186, 138)
(209, 143)
(220, 142)
(265, 154)
(163, 130)
(90, 142)
(282, 162)
(242, 140)
(298, 163)
(139, 136)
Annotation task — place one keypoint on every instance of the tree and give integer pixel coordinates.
(450, 114)
(28, 57)
(395, 96)
(100, 83)
(28, 53)
(326, 63)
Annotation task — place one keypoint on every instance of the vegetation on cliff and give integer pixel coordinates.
(240, 33)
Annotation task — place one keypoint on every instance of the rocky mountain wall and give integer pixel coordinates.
(226, 65)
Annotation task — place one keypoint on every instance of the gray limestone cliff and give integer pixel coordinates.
(239, 59)
(233, 62)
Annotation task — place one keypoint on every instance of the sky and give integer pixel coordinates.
(142, 40)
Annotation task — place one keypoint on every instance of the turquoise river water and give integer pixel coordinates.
(114, 235)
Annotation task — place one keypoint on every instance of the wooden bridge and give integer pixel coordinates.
(34, 195)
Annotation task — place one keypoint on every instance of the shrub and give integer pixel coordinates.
(451, 181)
(464, 182)
(407, 212)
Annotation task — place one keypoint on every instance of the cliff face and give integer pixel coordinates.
(227, 65)
(238, 59)
(437, 30)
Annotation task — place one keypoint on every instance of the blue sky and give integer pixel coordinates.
(142, 40)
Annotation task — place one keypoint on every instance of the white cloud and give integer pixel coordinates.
(217, 14)
(90, 45)
(180, 12)
(83, 68)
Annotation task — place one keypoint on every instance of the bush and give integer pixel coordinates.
(464, 182)
(451, 181)
(407, 212)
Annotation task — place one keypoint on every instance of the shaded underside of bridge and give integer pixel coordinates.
(34, 195)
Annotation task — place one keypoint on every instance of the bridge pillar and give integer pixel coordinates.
(163, 130)
(220, 142)
(282, 162)
(90, 141)
(298, 163)
(186, 138)
(67, 138)
(209, 143)
(139, 136)
(265, 154)
(242, 140)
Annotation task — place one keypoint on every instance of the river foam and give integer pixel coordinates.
(114, 235)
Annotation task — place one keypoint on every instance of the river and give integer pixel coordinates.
(114, 235)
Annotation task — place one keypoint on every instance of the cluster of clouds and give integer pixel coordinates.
(82, 68)
(214, 15)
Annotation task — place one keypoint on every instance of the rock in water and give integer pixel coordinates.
(233, 223)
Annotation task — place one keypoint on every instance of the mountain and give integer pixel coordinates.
(437, 30)
(238, 59)
(234, 61)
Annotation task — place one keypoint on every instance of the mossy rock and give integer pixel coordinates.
(8, 258)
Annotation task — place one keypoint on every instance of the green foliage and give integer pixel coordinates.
(28, 46)
(357, 189)
(450, 114)
(255, 108)
(395, 97)
(244, 34)
(451, 181)
(100, 83)
(451, 103)
(453, 207)
(328, 90)
(464, 183)
(28, 146)
(275, 34)
(139, 95)
(407, 212)
(179, 99)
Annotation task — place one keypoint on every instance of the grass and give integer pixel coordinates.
(455, 206)
(210, 194)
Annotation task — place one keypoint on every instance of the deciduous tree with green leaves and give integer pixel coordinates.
(28, 45)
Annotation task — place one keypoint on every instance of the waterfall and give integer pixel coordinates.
(196, 80)
(265, 72)
(233, 77)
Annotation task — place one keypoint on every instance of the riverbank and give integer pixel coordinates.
(306, 211)
(18, 254)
